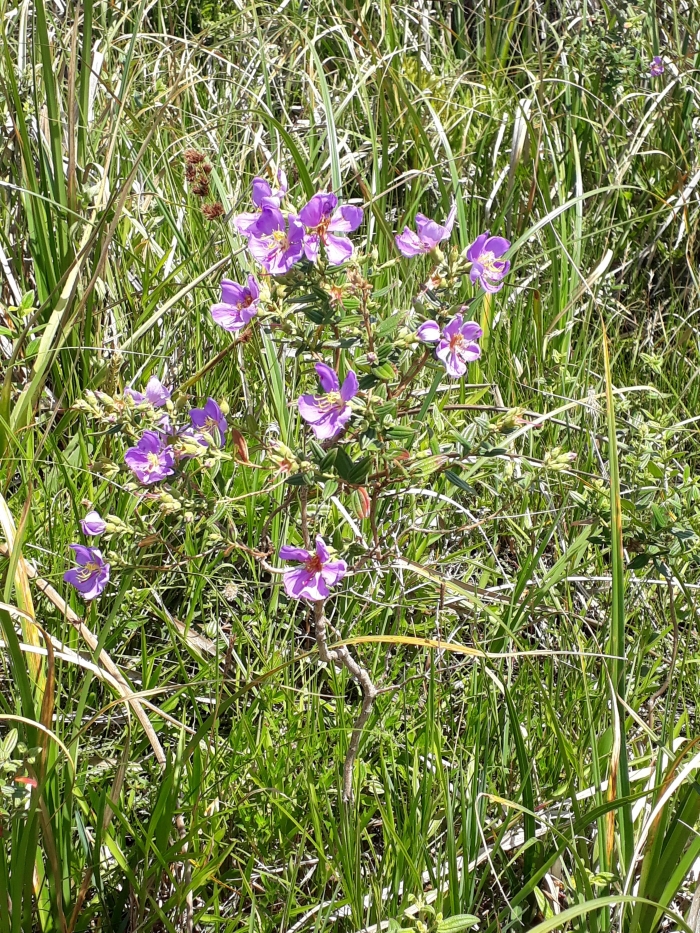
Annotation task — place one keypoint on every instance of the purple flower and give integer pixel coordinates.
(487, 266)
(93, 525)
(456, 346)
(277, 244)
(151, 460)
(317, 573)
(211, 423)
(263, 196)
(156, 394)
(238, 306)
(328, 414)
(656, 67)
(91, 575)
(323, 220)
(427, 234)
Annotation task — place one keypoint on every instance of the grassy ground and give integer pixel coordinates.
(547, 781)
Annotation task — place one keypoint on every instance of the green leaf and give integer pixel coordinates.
(457, 923)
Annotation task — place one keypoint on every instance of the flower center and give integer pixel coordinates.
(87, 571)
(330, 400)
(246, 303)
(314, 564)
(281, 238)
(488, 261)
(456, 342)
(210, 426)
(153, 460)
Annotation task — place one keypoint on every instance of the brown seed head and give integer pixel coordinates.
(213, 211)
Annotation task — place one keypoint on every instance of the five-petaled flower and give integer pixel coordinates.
(263, 196)
(456, 345)
(151, 460)
(328, 414)
(91, 575)
(93, 524)
(209, 423)
(316, 574)
(657, 68)
(427, 235)
(324, 220)
(238, 305)
(156, 393)
(487, 266)
(277, 243)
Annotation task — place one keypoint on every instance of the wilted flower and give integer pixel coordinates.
(487, 266)
(277, 244)
(456, 346)
(428, 234)
(262, 196)
(324, 220)
(238, 306)
(328, 414)
(317, 573)
(210, 422)
(91, 575)
(93, 524)
(656, 67)
(151, 460)
(156, 394)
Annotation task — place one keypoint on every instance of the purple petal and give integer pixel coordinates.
(497, 245)
(338, 249)
(261, 249)
(331, 423)
(453, 327)
(350, 387)
(322, 551)
(270, 219)
(428, 332)
(261, 189)
(453, 364)
(477, 247)
(347, 218)
(471, 331)
(83, 554)
(253, 287)
(334, 571)
(450, 221)
(246, 222)
(230, 318)
(156, 393)
(409, 243)
(150, 442)
(231, 292)
(309, 409)
(470, 352)
(312, 244)
(138, 397)
(327, 377)
(312, 212)
(93, 524)
(286, 552)
(300, 584)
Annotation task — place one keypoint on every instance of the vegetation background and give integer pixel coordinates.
(550, 785)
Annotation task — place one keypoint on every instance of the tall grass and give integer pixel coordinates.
(186, 746)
